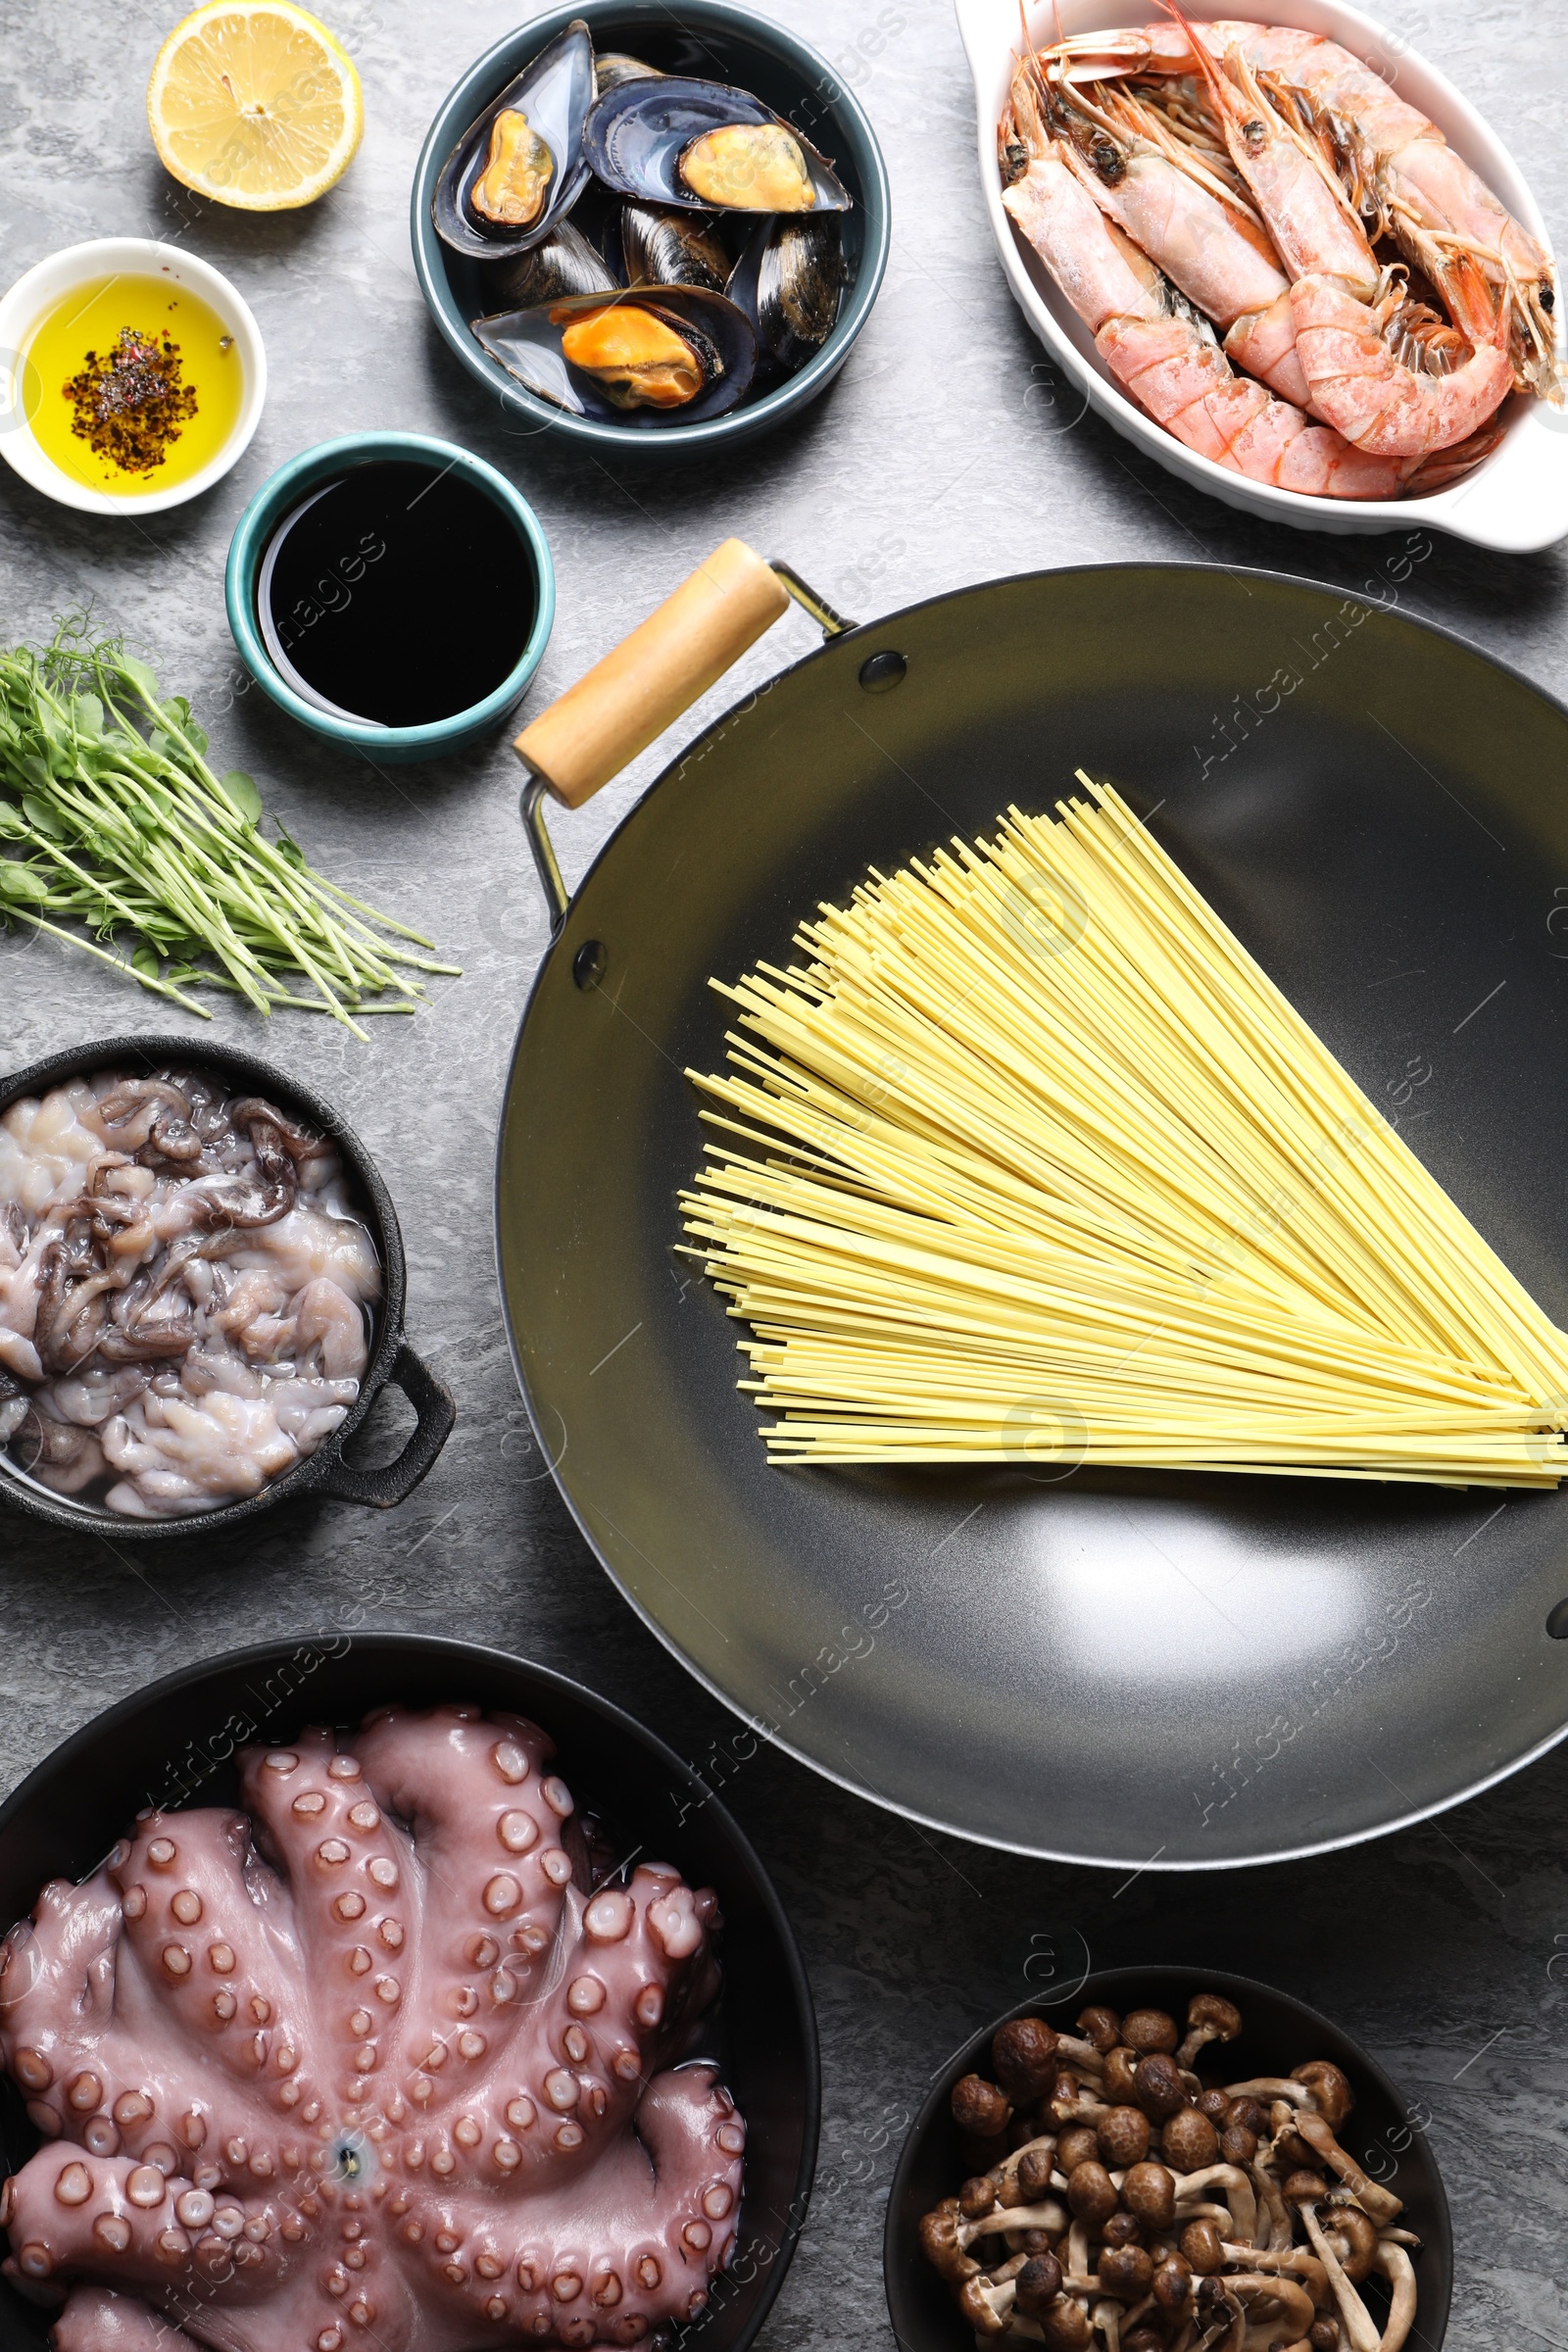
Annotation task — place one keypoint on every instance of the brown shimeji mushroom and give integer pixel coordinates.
(1119, 2073)
(1122, 2133)
(1148, 2030)
(1023, 2056)
(1331, 2091)
(1102, 2027)
(1208, 2019)
(1188, 2142)
(1157, 2087)
(979, 2108)
(1153, 2214)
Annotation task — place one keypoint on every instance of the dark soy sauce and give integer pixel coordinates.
(397, 594)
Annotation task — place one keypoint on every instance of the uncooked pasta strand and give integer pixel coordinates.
(1027, 1140)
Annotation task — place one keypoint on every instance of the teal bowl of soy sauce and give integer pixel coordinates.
(340, 598)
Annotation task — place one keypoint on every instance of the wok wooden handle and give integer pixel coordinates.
(601, 724)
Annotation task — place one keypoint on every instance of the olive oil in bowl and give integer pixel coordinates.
(132, 384)
(399, 594)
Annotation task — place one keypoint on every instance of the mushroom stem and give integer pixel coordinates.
(1394, 2264)
(1353, 2314)
(1234, 2184)
(1380, 2203)
(1264, 2088)
(1050, 2216)
(1293, 2260)
(1295, 2311)
(1271, 2208)
(1077, 2107)
(1081, 2054)
(1008, 2217)
(1107, 2317)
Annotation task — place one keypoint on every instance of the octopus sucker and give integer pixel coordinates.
(248, 2117)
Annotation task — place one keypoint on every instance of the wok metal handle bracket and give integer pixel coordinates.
(831, 623)
(598, 726)
(558, 897)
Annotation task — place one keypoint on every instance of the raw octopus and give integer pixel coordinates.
(389, 2058)
(184, 1291)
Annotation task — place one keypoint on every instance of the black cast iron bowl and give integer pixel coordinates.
(392, 1359)
(1385, 2131)
(172, 1743)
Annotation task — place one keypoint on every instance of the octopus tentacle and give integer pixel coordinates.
(97, 2320)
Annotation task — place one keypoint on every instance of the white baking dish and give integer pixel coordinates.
(1516, 501)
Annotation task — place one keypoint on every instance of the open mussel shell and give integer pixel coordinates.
(717, 339)
(646, 139)
(554, 93)
(659, 245)
(790, 283)
(563, 263)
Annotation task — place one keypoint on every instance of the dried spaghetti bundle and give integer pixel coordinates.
(1030, 1161)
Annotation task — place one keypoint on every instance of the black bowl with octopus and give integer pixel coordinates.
(392, 1360)
(172, 1744)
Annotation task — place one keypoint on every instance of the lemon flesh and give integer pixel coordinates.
(254, 103)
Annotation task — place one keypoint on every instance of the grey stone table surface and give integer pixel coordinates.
(943, 455)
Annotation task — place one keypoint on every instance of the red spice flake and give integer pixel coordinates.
(130, 402)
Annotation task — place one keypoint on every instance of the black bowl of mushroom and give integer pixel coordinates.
(201, 1294)
(656, 229)
(1193, 2162)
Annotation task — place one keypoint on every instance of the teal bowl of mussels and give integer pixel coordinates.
(656, 231)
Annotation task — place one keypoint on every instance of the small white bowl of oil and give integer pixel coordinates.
(131, 377)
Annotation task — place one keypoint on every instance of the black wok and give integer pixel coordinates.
(1134, 1668)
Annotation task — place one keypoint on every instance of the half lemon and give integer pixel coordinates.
(253, 103)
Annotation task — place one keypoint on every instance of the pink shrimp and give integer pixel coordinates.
(1357, 382)
(1169, 197)
(1406, 178)
(1173, 206)
(1402, 175)
(1168, 359)
(1199, 235)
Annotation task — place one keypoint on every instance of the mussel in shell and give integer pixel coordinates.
(706, 147)
(613, 67)
(639, 357)
(661, 246)
(645, 355)
(790, 282)
(519, 167)
(511, 191)
(563, 263)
